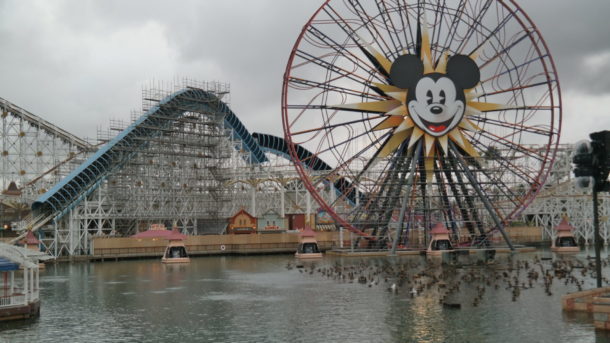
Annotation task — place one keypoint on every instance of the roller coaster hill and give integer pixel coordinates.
(188, 161)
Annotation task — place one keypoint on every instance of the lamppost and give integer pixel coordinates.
(591, 167)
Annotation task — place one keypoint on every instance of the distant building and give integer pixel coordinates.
(241, 222)
(271, 220)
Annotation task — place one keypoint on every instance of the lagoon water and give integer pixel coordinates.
(257, 299)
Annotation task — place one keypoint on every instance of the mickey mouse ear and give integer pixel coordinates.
(406, 71)
(463, 71)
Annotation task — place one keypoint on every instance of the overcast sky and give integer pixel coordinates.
(80, 63)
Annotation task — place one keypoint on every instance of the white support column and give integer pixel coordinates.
(37, 283)
(253, 201)
(12, 290)
(99, 211)
(86, 238)
(283, 201)
(32, 284)
(56, 239)
(72, 235)
(25, 283)
(308, 218)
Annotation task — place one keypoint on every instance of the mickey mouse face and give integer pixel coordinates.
(434, 106)
(435, 101)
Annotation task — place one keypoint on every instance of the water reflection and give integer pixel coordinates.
(256, 299)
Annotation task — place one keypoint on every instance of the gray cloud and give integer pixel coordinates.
(79, 63)
(575, 32)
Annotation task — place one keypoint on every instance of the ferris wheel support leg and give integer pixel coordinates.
(405, 199)
(481, 195)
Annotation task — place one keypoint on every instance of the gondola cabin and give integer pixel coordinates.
(308, 245)
(564, 241)
(439, 241)
(175, 252)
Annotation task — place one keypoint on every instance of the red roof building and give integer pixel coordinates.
(241, 222)
(157, 232)
(30, 241)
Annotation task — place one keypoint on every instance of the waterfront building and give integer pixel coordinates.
(20, 282)
(271, 220)
(241, 222)
(31, 242)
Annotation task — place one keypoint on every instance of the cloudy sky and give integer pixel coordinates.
(80, 63)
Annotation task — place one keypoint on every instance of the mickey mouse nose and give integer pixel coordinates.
(436, 110)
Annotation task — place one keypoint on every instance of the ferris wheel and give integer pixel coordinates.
(427, 112)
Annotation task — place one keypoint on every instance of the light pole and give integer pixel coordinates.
(592, 164)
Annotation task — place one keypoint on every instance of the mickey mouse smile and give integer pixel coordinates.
(438, 110)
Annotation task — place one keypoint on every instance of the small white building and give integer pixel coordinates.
(19, 282)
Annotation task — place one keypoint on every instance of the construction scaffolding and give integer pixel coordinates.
(175, 172)
(34, 156)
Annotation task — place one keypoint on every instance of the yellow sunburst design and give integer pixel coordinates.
(400, 122)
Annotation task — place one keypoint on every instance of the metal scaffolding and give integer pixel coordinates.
(34, 156)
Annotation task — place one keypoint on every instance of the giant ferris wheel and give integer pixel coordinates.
(438, 111)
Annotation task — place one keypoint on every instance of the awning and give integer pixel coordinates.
(7, 265)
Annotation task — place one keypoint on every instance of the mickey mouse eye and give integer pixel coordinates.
(429, 96)
(442, 96)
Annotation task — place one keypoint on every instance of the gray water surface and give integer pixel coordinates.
(257, 299)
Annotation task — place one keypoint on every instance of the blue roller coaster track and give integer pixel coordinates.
(87, 177)
(71, 190)
(278, 146)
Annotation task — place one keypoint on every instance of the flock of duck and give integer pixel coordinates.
(454, 283)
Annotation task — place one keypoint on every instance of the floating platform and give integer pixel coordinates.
(115, 248)
(106, 248)
(595, 301)
(22, 311)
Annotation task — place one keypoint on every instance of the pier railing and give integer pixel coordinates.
(13, 300)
